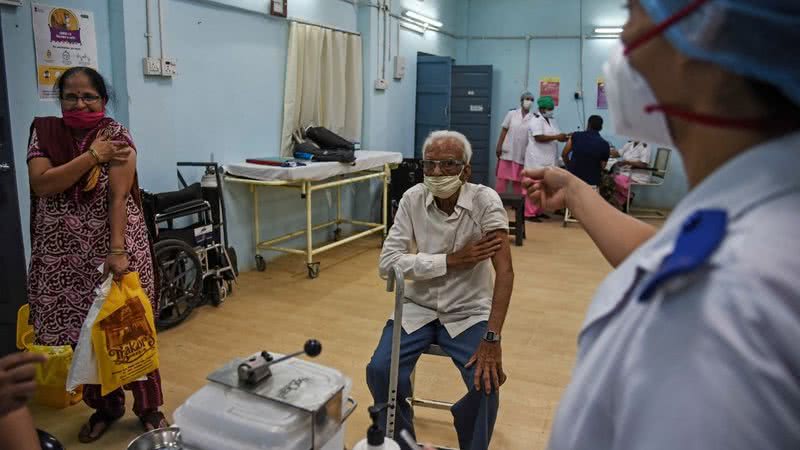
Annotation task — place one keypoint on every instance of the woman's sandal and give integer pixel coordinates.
(98, 418)
(154, 419)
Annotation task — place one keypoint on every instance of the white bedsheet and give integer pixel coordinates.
(314, 171)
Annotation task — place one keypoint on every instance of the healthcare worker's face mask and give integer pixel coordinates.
(549, 114)
(629, 96)
(632, 103)
(527, 104)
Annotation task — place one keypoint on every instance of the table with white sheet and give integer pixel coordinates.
(308, 179)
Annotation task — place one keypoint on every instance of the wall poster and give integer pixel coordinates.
(602, 100)
(550, 86)
(64, 38)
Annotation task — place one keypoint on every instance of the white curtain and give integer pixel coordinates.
(323, 83)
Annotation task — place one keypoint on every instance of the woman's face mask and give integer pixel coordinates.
(82, 120)
(548, 114)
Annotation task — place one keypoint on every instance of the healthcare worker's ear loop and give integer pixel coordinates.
(675, 111)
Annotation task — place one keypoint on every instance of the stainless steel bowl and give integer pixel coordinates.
(161, 439)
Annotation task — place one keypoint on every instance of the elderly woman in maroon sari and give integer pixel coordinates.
(86, 213)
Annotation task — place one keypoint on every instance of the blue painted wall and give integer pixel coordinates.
(389, 115)
(23, 93)
(227, 100)
(551, 56)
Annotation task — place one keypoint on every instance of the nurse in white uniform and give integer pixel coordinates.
(693, 342)
(512, 144)
(542, 151)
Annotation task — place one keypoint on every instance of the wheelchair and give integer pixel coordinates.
(193, 263)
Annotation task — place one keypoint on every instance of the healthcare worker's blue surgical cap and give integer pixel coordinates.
(754, 38)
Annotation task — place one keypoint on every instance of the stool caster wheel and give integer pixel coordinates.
(261, 265)
(313, 270)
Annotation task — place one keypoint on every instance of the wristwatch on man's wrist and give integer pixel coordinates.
(491, 336)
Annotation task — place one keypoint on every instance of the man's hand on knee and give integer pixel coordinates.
(475, 252)
(488, 362)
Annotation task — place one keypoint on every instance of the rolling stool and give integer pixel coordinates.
(433, 350)
(517, 203)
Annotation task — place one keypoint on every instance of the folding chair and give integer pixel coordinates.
(396, 282)
(658, 174)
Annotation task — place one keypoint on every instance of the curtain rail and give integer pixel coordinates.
(327, 27)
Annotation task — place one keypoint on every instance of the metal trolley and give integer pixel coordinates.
(307, 188)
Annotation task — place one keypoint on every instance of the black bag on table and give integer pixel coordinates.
(327, 139)
(309, 149)
(323, 155)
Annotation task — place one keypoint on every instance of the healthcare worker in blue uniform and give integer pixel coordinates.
(693, 342)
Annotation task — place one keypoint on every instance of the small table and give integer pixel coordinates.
(517, 203)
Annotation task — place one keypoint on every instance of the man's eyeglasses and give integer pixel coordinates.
(446, 166)
(72, 99)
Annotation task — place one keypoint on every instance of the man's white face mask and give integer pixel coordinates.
(527, 104)
(443, 186)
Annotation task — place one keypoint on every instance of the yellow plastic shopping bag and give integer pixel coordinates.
(51, 377)
(25, 335)
(124, 335)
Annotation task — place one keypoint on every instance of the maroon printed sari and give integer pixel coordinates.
(70, 236)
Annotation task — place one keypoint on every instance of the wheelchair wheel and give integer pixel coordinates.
(215, 290)
(234, 260)
(181, 278)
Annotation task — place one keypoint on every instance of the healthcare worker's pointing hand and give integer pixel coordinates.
(548, 187)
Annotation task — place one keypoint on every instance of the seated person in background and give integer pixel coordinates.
(586, 153)
(446, 237)
(634, 156)
(17, 386)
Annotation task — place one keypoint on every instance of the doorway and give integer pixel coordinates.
(458, 98)
(12, 259)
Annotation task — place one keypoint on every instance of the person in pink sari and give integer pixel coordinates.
(86, 213)
(632, 168)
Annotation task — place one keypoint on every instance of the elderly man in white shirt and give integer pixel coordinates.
(447, 235)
